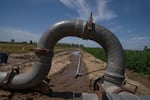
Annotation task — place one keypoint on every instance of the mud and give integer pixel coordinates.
(65, 85)
(62, 82)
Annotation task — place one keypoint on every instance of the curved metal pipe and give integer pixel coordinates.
(115, 56)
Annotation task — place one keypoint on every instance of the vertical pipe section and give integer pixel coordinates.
(115, 55)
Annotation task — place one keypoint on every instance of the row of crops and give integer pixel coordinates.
(139, 61)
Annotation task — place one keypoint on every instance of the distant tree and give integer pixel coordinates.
(30, 42)
(24, 42)
(81, 45)
(34, 42)
(12, 41)
(145, 48)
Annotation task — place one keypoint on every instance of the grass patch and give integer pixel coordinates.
(138, 61)
(96, 52)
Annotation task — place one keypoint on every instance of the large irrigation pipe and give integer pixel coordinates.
(115, 57)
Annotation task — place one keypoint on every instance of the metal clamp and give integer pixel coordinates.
(11, 74)
(90, 23)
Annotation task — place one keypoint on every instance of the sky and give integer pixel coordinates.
(25, 20)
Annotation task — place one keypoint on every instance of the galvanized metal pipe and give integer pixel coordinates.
(78, 28)
(78, 67)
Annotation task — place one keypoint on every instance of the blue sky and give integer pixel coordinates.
(25, 20)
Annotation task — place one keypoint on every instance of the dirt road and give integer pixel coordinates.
(62, 81)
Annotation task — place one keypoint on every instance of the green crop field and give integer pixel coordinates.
(139, 61)
(96, 52)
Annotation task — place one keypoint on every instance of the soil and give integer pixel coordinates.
(60, 80)
(65, 84)
(143, 81)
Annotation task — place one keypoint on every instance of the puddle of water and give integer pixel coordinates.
(76, 52)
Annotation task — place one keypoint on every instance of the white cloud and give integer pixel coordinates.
(140, 38)
(100, 11)
(103, 12)
(116, 28)
(129, 31)
(80, 6)
(136, 42)
(8, 33)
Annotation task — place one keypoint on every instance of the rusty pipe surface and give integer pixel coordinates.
(115, 57)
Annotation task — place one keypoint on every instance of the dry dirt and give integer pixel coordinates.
(62, 81)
